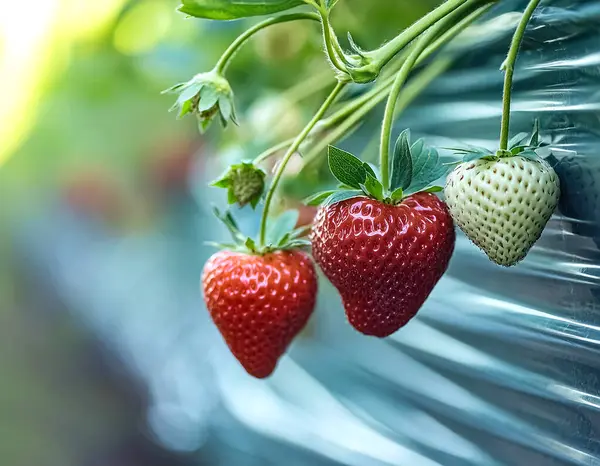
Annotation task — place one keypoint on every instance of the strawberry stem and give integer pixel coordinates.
(223, 62)
(288, 155)
(385, 53)
(509, 67)
(459, 15)
(272, 151)
(350, 115)
(331, 44)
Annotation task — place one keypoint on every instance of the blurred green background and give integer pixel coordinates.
(87, 144)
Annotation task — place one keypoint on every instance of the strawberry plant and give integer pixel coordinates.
(383, 237)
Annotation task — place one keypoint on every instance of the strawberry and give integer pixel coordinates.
(502, 202)
(260, 298)
(259, 303)
(383, 249)
(384, 259)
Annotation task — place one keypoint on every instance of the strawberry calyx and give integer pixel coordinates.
(281, 234)
(206, 95)
(522, 145)
(414, 168)
(245, 184)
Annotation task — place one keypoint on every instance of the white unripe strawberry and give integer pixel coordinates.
(503, 205)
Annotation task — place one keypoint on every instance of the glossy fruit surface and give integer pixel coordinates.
(383, 259)
(259, 303)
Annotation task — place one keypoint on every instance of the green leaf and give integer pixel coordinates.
(299, 232)
(235, 9)
(226, 108)
(529, 154)
(425, 166)
(354, 46)
(369, 169)
(223, 182)
(209, 96)
(476, 156)
(281, 226)
(418, 145)
(318, 198)
(203, 124)
(340, 196)
(190, 91)
(517, 140)
(398, 194)
(296, 244)
(250, 244)
(231, 225)
(434, 189)
(402, 162)
(214, 244)
(518, 149)
(373, 187)
(231, 199)
(347, 168)
(283, 240)
(534, 141)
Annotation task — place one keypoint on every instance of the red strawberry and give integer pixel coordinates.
(383, 259)
(259, 303)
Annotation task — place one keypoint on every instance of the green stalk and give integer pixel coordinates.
(509, 66)
(288, 155)
(329, 41)
(421, 45)
(223, 62)
(411, 92)
(414, 88)
(272, 150)
(379, 92)
(388, 116)
(386, 52)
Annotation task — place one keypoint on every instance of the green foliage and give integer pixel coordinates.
(401, 163)
(235, 9)
(522, 144)
(414, 168)
(347, 168)
(281, 234)
(206, 95)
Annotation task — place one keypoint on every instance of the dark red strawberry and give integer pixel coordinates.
(259, 303)
(383, 259)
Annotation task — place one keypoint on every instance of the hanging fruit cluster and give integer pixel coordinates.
(383, 238)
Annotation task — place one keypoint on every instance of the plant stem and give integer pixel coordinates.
(328, 39)
(386, 52)
(379, 92)
(272, 150)
(288, 155)
(223, 62)
(509, 66)
(420, 47)
(388, 116)
(411, 91)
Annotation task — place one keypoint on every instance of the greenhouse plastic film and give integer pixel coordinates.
(501, 365)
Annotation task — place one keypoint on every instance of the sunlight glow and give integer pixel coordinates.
(35, 37)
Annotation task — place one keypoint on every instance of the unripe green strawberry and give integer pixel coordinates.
(503, 205)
